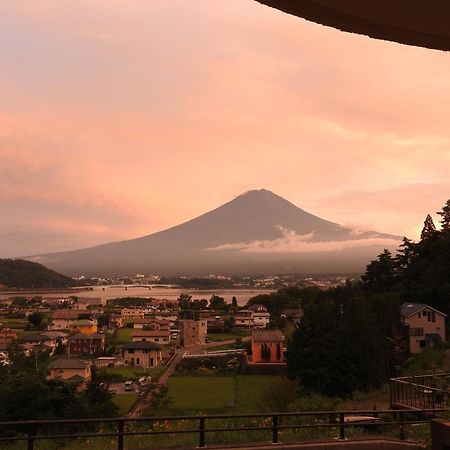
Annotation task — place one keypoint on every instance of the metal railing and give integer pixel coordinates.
(420, 392)
(339, 420)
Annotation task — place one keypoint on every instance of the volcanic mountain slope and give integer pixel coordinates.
(257, 232)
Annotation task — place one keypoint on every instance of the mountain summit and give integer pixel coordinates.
(257, 232)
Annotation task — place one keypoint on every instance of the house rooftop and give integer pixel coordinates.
(141, 345)
(151, 333)
(84, 323)
(65, 314)
(65, 363)
(409, 309)
(267, 336)
(88, 336)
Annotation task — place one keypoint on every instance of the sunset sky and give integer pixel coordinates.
(119, 118)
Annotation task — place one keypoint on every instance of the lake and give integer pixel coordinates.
(171, 294)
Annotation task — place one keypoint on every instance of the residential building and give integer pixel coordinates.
(151, 324)
(84, 326)
(426, 325)
(142, 354)
(62, 319)
(256, 316)
(243, 319)
(83, 304)
(70, 371)
(86, 344)
(216, 325)
(116, 321)
(267, 346)
(160, 337)
(106, 361)
(132, 313)
(158, 325)
(260, 316)
(38, 342)
(192, 332)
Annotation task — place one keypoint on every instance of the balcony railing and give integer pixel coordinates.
(274, 423)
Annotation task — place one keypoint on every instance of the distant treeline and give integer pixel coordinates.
(22, 274)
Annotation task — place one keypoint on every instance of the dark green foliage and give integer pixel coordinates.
(129, 302)
(18, 273)
(278, 395)
(429, 229)
(445, 217)
(217, 365)
(189, 308)
(285, 298)
(217, 303)
(338, 347)
(25, 394)
(36, 319)
(381, 274)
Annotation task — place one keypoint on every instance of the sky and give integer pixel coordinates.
(119, 118)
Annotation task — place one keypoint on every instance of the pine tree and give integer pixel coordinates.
(429, 229)
(405, 254)
(381, 274)
(445, 216)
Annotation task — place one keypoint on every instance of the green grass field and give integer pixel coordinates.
(14, 323)
(123, 336)
(213, 337)
(124, 402)
(133, 372)
(428, 361)
(211, 394)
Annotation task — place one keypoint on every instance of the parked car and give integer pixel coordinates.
(128, 385)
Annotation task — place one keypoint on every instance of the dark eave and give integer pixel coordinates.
(411, 22)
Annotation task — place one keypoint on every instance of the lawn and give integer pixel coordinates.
(124, 402)
(430, 360)
(133, 372)
(211, 394)
(123, 336)
(14, 323)
(213, 337)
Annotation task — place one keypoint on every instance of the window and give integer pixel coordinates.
(433, 316)
(416, 331)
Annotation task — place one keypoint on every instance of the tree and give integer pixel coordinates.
(405, 254)
(217, 303)
(429, 229)
(380, 274)
(445, 216)
(36, 319)
(184, 301)
(337, 348)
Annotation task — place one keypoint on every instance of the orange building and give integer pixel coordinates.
(267, 346)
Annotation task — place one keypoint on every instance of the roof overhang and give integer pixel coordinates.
(412, 22)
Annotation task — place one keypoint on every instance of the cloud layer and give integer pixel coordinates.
(291, 242)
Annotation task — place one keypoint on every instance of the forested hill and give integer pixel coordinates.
(18, 273)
